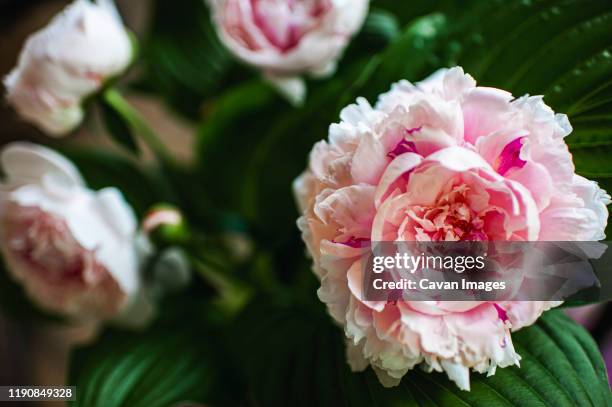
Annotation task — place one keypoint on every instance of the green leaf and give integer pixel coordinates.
(236, 123)
(410, 56)
(158, 368)
(184, 60)
(118, 128)
(300, 362)
(280, 155)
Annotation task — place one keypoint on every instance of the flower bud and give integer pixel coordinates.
(164, 225)
(65, 62)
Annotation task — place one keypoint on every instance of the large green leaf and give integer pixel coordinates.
(300, 362)
(175, 361)
(411, 55)
(237, 123)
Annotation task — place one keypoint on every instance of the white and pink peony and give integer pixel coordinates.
(288, 38)
(73, 249)
(439, 160)
(65, 62)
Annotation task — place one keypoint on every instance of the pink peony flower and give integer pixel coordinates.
(65, 62)
(441, 160)
(288, 38)
(73, 249)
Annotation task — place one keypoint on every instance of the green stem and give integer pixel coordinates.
(233, 295)
(114, 98)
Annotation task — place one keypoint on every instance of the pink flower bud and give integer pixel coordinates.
(65, 62)
(165, 224)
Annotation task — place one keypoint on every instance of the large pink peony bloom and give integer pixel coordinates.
(439, 160)
(74, 250)
(288, 38)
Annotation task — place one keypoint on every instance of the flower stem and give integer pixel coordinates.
(115, 99)
(233, 295)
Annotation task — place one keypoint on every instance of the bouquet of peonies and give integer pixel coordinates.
(414, 123)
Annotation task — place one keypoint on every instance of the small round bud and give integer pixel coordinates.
(164, 225)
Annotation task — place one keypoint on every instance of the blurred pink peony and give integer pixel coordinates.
(288, 38)
(72, 249)
(440, 160)
(65, 62)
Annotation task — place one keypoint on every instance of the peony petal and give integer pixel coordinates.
(458, 159)
(485, 111)
(25, 163)
(401, 165)
(369, 161)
